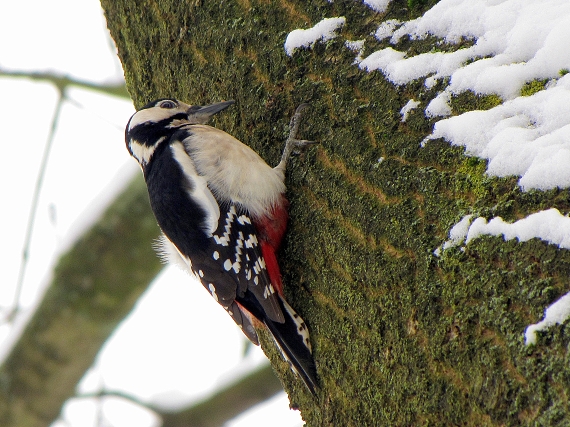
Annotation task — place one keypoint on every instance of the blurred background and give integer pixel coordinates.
(63, 108)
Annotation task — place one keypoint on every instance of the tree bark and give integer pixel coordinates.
(400, 336)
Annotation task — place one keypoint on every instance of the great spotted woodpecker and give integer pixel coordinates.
(223, 214)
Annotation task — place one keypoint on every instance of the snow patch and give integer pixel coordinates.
(323, 31)
(410, 105)
(548, 225)
(377, 5)
(509, 44)
(386, 29)
(356, 46)
(457, 235)
(528, 136)
(504, 56)
(557, 313)
(439, 106)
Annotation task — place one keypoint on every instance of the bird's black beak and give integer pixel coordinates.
(201, 115)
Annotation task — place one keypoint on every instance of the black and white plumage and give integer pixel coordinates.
(223, 213)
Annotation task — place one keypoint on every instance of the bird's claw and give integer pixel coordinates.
(292, 141)
(301, 143)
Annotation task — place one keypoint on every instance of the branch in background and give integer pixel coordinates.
(63, 82)
(94, 286)
(216, 410)
(228, 403)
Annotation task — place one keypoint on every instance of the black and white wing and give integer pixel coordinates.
(215, 240)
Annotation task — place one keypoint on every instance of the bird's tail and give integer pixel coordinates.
(292, 338)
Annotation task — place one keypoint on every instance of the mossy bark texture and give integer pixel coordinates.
(400, 336)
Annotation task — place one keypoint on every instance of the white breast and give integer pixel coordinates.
(234, 171)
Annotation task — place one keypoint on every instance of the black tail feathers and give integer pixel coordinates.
(292, 338)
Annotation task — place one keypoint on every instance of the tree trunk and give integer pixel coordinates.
(400, 336)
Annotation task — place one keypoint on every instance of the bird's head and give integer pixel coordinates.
(157, 121)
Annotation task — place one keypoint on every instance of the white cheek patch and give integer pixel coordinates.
(200, 191)
(143, 153)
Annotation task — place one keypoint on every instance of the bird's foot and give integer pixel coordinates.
(293, 142)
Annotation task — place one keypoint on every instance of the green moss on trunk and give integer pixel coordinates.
(400, 336)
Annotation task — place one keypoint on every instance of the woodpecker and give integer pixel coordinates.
(223, 213)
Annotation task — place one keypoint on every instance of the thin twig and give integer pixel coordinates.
(119, 394)
(34, 208)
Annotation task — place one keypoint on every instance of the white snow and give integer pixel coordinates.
(405, 111)
(557, 313)
(528, 136)
(525, 136)
(356, 46)
(505, 53)
(377, 5)
(439, 106)
(386, 29)
(457, 234)
(513, 42)
(323, 31)
(548, 225)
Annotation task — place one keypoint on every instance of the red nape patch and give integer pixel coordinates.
(272, 266)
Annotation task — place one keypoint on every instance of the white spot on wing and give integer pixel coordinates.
(213, 291)
(301, 327)
(243, 219)
(268, 291)
(251, 242)
(224, 239)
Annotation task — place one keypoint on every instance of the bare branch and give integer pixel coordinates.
(217, 409)
(94, 286)
(62, 82)
(228, 403)
(13, 310)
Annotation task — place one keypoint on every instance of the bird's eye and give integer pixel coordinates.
(167, 104)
